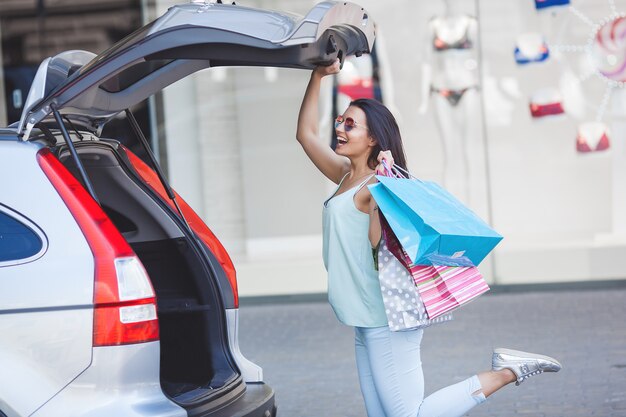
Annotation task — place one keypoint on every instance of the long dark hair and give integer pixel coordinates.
(384, 129)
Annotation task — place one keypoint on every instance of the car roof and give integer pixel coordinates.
(92, 89)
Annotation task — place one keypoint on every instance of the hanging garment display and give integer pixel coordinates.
(546, 102)
(592, 137)
(442, 43)
(453, 96)
(543, 4)
(531, 47)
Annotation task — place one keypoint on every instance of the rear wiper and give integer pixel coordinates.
(155, 164)
(70, 146)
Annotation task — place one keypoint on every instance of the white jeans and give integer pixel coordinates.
(392, 381)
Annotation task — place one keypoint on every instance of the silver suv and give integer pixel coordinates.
(115, 298)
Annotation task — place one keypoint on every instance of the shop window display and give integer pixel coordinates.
(557, 162)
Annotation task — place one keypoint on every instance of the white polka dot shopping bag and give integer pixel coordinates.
(403, 304)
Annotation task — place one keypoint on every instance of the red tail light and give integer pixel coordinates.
(124, 300)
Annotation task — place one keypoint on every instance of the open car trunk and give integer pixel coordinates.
(195, 363)
(194, 293)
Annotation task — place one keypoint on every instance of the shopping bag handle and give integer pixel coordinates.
(391, 171)
(407, 174)
(387, 171)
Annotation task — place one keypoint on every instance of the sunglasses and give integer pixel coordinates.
(348, 123)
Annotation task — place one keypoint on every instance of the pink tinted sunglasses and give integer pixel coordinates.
(348, 123)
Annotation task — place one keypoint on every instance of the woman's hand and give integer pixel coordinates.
(388, 159)
(323, 70)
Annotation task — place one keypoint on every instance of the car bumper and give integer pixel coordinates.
(256, 401)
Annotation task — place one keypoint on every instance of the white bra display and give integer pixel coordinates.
(452, 33)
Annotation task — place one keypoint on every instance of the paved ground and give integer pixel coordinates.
(308, 356)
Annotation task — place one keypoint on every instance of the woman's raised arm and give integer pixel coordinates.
(325, 159)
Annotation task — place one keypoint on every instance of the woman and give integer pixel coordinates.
(388, 362)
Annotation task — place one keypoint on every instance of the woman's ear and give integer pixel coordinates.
(373, 142)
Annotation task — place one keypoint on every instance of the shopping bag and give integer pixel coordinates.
(403, 305)
(441, 288)
(432, 226)
(445, 288)
(407, 232)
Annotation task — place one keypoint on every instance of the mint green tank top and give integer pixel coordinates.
(353, 286)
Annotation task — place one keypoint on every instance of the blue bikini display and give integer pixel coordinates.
(543, 4)
(523, 59)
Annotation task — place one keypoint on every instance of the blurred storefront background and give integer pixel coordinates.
(518, 108)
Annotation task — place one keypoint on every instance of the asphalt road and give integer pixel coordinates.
(308, 357)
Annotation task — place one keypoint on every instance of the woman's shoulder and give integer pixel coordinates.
(364, 190)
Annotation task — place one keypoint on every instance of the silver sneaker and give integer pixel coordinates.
(523, 364)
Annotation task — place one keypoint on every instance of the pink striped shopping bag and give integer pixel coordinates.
(442, 288)
(445, 288)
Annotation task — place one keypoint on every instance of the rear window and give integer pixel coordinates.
(17, 240)
(131, 75)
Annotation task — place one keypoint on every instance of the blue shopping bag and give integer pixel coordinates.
(432, 226)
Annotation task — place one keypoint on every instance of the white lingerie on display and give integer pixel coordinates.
(451, 33)
(531, 47)
(451, 55)
(592, 137)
